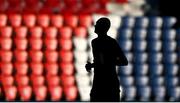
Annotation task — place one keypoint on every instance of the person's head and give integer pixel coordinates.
(102, 26)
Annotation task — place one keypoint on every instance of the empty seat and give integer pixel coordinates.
(80, 43)
(139, 46)
(157, 81)
(71, 93)
(170, 58)
(125, 34)
(3, 20)
(36, 68)
(21, 55)
(52, 80)
(128, 22)
(21, 44)
(168, 34)
(6, 55)
(80, 32)
(51, 56)
(36, 55)
(15, 20)
(36, 32)
(6, 68)
(141, 22)
(6, 43)
(21, 32)
(171, 69)
(65, 32)
(51, 68)
(153, 34)
(172, 82)
(22, 80)
(67, 68)
(85, 20)
(7, 80)
(156, 69)
(6, 31)
(56, 93)
(51, 32)
(10, 93)
(40, 93)
(159, 93)
(140, 34)
(141, 69)
(169, 46)
(57, 20)
(168, 22)
(140, 57)
(129, 93)
(29, 20)
(126, 45)
(65, 44)
(155, 22)
(66, 56)
(21, 68)
(155, 57)
(43, 20)
(36, 44)
(127, 81)
(51, 44)
(125, 70)
(71, 20)
(37, 80)
(144, 93)
(25, 93)
(142, 81)
(67, 80)
(174, 94)
(154, 46)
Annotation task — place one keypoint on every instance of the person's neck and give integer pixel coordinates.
(102, 35)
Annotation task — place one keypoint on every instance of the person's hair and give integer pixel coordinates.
(104, 24)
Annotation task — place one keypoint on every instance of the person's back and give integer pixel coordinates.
(107, 54)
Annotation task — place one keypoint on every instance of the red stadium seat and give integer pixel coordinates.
(3, 6)
(85, 20)
(29, 20)
(52, 3)
(57, 20)
(6, 43)
(51, 56)
(21, 55)
(87, 3)
(22, 80)
(51, 44)
(65, 44)
(37, 80)
(51, 32)
(37, 68)
(56, 93)
(32, 6)
(6, 55)
(7, 80)
(71, 93)
(36, 32)
(67, 68)
(40, 93)
(65, 32)
(21, 68)
(36, 44)
(6, 68)
(70, 3)
(67, 80)
(71, 20)
(10, 93)
(15, 20)
(80, 32)
(66, 56)
(6, 31)
(21, 44)
(3, 19)
(25, 93)
(51, 68)
(36, 55)
(53, 80)
(21, 32)
(43, 20)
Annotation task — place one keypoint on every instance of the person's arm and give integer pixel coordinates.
(121, 59)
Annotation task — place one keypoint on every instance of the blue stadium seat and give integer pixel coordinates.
(140, 58)
(172, 81)
(156, 69)
(125, 70)
(154, 46)
(171, 69)
(141, 69)
(157, 81)
(168, 22)
(130, 93)
(155, 57)
(169, 58)
(139, 34)
(128, 22)
(144, 93)
(155, 22)
(153, 34)
(125, 34)
(126, 81)
(126, 45)
(169, 46)
(159, 93)
(168, 34)
(139, 45)
(141, 80)
(141, 22)
(174, 94)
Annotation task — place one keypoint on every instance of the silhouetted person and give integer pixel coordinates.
(107, 54)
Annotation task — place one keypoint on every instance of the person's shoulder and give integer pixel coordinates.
(94, 40)
(111, 39)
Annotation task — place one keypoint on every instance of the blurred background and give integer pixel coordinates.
(45, 44)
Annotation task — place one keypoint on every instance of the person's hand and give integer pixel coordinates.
(88, 66)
